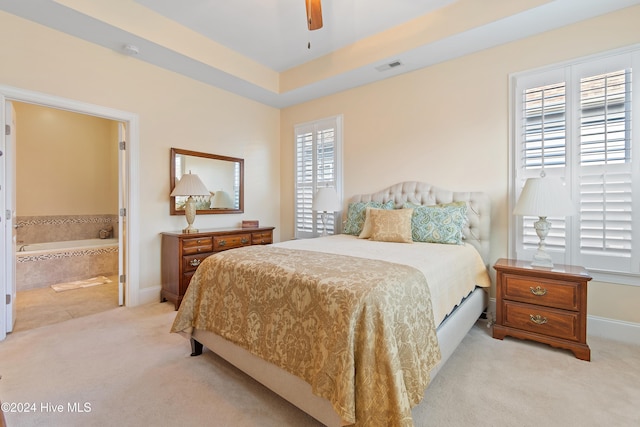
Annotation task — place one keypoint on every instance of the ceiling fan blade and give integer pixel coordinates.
(314, 14)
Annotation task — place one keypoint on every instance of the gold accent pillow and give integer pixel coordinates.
(367, 227)
(391, 225)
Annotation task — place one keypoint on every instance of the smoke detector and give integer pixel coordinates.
(130, 49)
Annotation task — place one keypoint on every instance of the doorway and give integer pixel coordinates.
(128, 193)
(66, 215)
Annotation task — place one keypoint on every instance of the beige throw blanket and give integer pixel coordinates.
(360, 331)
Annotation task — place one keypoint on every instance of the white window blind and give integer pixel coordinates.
(318, 160)
(575, 122)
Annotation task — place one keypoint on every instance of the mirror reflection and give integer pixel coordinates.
(223, 176)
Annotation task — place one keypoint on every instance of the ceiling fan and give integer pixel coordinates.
(314, 14)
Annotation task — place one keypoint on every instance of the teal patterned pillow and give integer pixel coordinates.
(439, 223)
(356, 214)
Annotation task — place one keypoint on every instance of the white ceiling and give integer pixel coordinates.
(272, 34)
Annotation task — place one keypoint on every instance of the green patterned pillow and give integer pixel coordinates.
(356, 213)
(439, 223)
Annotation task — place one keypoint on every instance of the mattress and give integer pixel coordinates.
(452, 271)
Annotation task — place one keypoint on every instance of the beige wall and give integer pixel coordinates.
(66, 163)
(448, 125)
(173, 111)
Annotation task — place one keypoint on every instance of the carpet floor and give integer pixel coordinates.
(122, 367)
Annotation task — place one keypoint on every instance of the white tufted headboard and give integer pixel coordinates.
(478, 229)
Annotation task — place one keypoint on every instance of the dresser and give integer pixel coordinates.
(548, 305)
(183, 253)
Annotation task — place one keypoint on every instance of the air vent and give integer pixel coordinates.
(388, 66)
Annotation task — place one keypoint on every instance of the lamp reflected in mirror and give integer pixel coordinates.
(221, 200)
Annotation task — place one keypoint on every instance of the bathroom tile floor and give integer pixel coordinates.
(44, 306)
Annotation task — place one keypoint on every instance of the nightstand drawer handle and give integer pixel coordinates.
(222, 242)
(537, 319)
(244, 240)
(538, 291)
(194, 262)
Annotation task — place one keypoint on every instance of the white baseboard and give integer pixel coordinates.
(617, 330)
(150, 294)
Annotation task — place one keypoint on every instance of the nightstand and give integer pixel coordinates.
(548, 305)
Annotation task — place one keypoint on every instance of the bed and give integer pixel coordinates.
(350, 329)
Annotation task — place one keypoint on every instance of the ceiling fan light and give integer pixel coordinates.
(314, 14)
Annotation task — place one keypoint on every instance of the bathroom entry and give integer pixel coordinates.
(69, 171)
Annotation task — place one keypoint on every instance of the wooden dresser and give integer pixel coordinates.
(548, 305)
(183, 253)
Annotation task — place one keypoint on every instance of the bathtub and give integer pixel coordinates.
(40, 265)
(38, 248)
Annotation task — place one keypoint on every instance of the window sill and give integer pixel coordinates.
(616, 278)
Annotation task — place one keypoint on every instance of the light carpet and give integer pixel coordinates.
(122, 367)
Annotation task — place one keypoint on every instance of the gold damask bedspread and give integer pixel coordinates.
(360, 331)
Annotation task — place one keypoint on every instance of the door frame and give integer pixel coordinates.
(132, 186)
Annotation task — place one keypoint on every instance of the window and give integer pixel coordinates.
(318, 160)
(575, 121)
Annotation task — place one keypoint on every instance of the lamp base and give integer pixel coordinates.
(542, 258)
(323, 217)
(190, 215)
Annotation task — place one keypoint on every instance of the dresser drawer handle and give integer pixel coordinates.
(244, 240)
(537, 319)
(538, 291)
(222, 242)
(194, 262)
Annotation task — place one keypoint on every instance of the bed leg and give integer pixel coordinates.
(196, 348)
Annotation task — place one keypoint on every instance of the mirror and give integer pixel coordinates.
(223, 176)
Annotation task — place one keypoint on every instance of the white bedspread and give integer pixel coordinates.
(452, 271)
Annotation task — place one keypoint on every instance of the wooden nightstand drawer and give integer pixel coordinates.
(263, 238)
(546, 321)
(547, 292)
(232, 241)
(199, 245)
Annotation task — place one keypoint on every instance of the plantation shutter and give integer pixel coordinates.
(317, 165)
(605, 174)
(542, 115)
(575, 122)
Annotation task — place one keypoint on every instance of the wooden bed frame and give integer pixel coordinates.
(450, 332)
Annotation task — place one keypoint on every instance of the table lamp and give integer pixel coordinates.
(326, 200)
(543, 197)
(190, 185)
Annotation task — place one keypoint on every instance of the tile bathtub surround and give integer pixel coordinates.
(48, 269)
(56, 228)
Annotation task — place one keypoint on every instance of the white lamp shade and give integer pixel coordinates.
(190, 185)
(222, 200)
(326, 200)
(543, 197)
